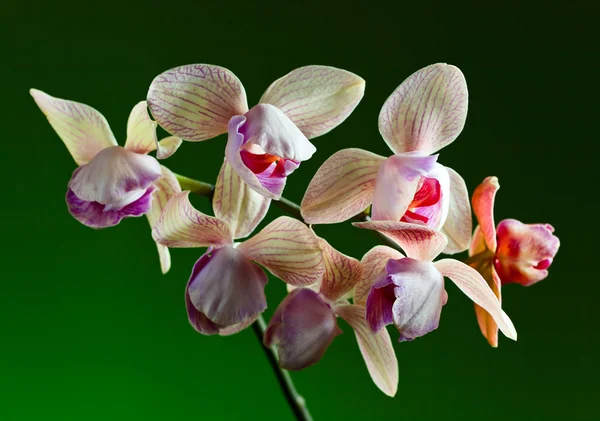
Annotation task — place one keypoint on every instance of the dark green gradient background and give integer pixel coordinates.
(92, 331)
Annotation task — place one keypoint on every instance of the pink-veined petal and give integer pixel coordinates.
(373, 264)
(458, 225)
(316, 98)
(469, 281)
(342, 187)
(418, 241)
(235, 202)
(195, 102)
(141, 130)
(427, 111)
(483, 207)
(168, 146)
(84, 131)
(341, 272)
(166, 187)
(288, 249)
(180, 225)
(486, 322)
(376, 349)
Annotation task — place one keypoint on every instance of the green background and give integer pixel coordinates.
(91, 330)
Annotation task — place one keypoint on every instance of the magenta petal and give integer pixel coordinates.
(303, 326)
(226, 287)
(380, 302)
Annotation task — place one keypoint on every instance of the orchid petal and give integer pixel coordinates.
(373, 264)
(483, 207)
(168, 146)
(316, 98)
(469, 281)
(477, 243)
(180, 225)
(486, 322)
(341, 272)
(427, 111)
(235, 202)
(141, 130)
(233, 329)
(397, 182)
(198, 320)
(84, 131)
(342, 187)
(376, 349)
(196, 102)
(458, 225)
(166, 186)
(288, 249)
(379, 308)
(418, 241)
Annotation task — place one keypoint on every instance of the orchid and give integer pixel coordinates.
(409, 291)
(268, 142)
(424, 114)
(511, 253)
(112, 182)
(304, 324)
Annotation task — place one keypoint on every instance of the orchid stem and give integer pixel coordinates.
(198, 187)
(295, 400)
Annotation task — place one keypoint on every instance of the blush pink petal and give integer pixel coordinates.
(373, 266)
(483, 207)
(486, 322)
(341, 272)
(435, 214)
(458, 225)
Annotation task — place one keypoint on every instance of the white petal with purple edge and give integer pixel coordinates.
(373, 265)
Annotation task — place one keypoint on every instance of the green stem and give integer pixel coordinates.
(198, 187)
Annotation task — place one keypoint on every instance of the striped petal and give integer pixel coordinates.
(84, 131)
(376, 349)
(316, 98)
(238, 204)
(483, 207)
(195, 102)
(289, 250)
(180, 225)
(418, 241)
(342, 187)
(341, 272)
(141, 130)
(427, 111)
(166, 187)
(469, 281)
(168, 146)
(373, 265)
(458, 225)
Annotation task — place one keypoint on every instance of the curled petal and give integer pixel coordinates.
(84, 131)
(380, 303)
(303, 327)
(316, 98)
(486, 322)
(342, 187)
(373, 264)
(141, 130)
(289, 250)
(341, 272)
(195, 102)
(376, 349)
(418, 241)
(180, 225)
(469, 281)
(458, 225)
(483, 207)
(168, 146)
(235, 202)
(427, 111)
(477, 242)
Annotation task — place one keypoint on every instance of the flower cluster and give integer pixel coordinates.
(409, 198)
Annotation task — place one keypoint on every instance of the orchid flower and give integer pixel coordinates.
(305, 323)
(225, 292)
(112, 182)
(424, 114)
(268, 142)
(409, 291)
(511, 253)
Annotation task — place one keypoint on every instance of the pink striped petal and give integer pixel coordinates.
(341, 272)
(418, 241)
(180, 225)
(342, 187)
(483, 207)
(196, 102)
(141, 130)
(469, 281)
(316, 98)
(376, 349)
(373, 264)
(84, 131)
(166, 186)
(235, 202)
(486, 322)
(458, 225)
(289, 250)
(167, 147)
(427, 111)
